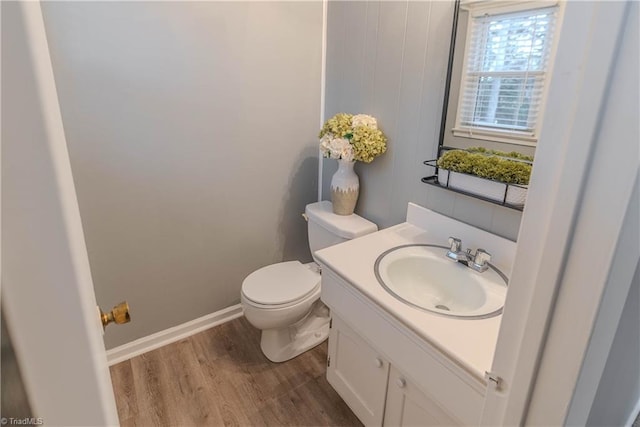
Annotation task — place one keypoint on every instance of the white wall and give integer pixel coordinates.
(389, 59)
(192, 134)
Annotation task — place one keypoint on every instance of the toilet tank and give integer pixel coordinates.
(327, 229)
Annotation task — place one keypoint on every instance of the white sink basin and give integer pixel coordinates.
(423, 277)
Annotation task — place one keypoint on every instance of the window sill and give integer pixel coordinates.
(505, 137)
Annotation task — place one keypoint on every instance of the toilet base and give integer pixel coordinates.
(280, 345)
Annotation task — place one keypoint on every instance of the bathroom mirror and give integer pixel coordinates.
(497, 74)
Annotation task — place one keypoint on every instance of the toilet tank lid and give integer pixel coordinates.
(345, 226)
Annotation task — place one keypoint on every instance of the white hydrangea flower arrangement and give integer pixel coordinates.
(352, 137)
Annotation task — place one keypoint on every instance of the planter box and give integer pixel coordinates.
(492, 190)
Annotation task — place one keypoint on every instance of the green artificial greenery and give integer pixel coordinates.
(510, 154)
(494, 167)
(357, 136)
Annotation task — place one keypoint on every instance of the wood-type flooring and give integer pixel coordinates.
(220, 377)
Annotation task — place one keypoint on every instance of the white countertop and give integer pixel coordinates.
(469, 343)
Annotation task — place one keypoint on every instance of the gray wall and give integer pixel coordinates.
(619, 386)
(389, 59)
(192, 134)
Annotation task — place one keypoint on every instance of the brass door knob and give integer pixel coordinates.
(118, 314)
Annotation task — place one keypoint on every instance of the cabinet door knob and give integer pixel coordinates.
(401, 382)
(378, 362)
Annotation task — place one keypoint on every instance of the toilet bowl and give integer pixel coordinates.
(283, 299)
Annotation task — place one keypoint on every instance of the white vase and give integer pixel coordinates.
(345, 187)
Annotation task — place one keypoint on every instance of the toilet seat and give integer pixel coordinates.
(279, 285)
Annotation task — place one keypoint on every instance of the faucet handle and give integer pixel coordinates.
(481, 260)
(455, 243)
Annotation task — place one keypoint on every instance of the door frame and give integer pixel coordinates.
(587, 48)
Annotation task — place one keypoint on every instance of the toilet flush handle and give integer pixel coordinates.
(305, 216)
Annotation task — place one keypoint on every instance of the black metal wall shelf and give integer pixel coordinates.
(433, 180)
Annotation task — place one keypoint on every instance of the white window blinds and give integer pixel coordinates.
(503, 79)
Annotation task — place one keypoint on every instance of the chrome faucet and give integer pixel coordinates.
(478, 261)
(481, 260)
(456, 253)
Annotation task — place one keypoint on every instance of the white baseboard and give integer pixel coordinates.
(176, 333)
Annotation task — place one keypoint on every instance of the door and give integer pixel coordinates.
(357, 372)
(408, 406)
(47, 292)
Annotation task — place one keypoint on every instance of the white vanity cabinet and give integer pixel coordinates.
(385, 373)
(357, 372)
(376, 391)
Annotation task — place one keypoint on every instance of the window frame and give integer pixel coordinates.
(477, 8)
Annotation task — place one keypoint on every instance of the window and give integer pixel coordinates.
(504, 73)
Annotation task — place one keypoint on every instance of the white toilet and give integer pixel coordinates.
(283, 300)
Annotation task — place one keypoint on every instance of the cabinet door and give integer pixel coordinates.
(408, 406)
(357, 372)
